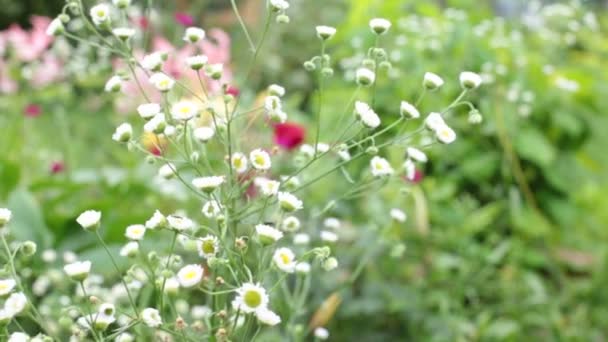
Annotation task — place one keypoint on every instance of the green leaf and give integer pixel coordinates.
(532, 145)
(28, 221)
(10, 173)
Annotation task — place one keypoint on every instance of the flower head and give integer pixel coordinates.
(167, 171)
(250, 298)
(151, 317)
(208, 184)
(289, 202)
(381, 167)
(432, 81)
(365, 77)
(416, 154)
(15, 303)
(6, 286)
(208, 246)
(203, 133)
(148, 110)
(194, 34)
(290, 224)
(190, 275)
(398, 215)
(379, 26)
(289, 135)
(162, 82)
(123, 33)
(197, 62)
(409, 111)
(89, 220)
(445, 134)
(238, 162)
(212, 209)
(284, 259)
(368, 117)
(153, 61)
(470, 80)
(55, 27)
(325, 32)
(268, 234)
(114, 84)
(123, 133)
(100, 14)
(184, 19)
(433, 121)
(268, 187)
(260, 159)
(135, 232)
(156, 221)
(184, 110)
(180, 223)
(267, 317)
(78, 270)
(5, 216)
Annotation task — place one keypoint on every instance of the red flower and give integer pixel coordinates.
(234, 91)
(32, 110)
(289, 135)
(184, 19)
(155, 150)
(57, 167)
(418, 177)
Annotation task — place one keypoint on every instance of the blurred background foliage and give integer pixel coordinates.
(506, 235)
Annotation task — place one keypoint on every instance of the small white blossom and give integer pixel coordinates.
(366, 114)
(78, 270)
(307, 150)
(201, 311)
(267, 317)
(289, 202)
(208, 246)
(332, 223)
(238, 162)
(197, 62)
(203, 133)
(55, 27)
(5, 216)
(268, 187)
(19, 337)
(416, 155)
(398, 215)
(184, 110)
(180, 223)
(167, 171)
(325, 32)
(151, 317)
(250, 298)
(122, 4)
(276, 90)
(330, 264)
(260, 159)
(365, 77)
(123, 33)
(114, 84)
(89, 220)
(290, 224)
(194, 34)
(148, 110)
(100, 14)
(432, 81)
(433, 121)
(321, 333)
(157, 124)
(445, 134)
(301, 239)
(328, 236)
(268, 234)
(162, 82)
(379, 25)
(123, 133)
(190, 275)
(130, 249)
(279, 5)
(381, 167)
(410, 169)
(212, 209)
(208, 184)
(6, 286)
(284, 259)
(470, 80)
(303, 267)
(153, 61)
(156, 221)
(135, 232)
(408, 110)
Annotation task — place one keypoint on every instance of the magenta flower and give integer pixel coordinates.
(32, 110)
(289, 135)
(184, 19)
(57, 167)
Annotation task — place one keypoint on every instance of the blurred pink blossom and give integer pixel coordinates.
(32, 110)
(184, 19)
(29, 45)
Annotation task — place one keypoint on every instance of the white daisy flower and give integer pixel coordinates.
(432, 81)
(260, 159)
(408, 110)
(365, 77)
(445, 134)
(434, 121)
(416, 155)
(167, 171)
(135, 232)
(114, 84)
(190, 275)
(279, 5)
(100, 321)
(321, 333)
(325, 32)
(379, 25)
(100, 14)
(6, 286)
(208, 246)
(172, 286)
(184, 110)
(89, 220)
(470, 80)
(212, 209)
(301, 239)
(307, 150)
(162, 82)
(148, 110)
(303, 267)
(289, 202)
(78, 270)
(180, 223)
(381, 167)
(250, 298)
(267, 186)
(328, 236)
(208, 184)
(201, 311)
(267, 317)
(157, 124)
(290, 224)
(130, 249)
(156, 221)
(5, 216)
(322, 147)
(55, 27)
(284, 259)
(123, 33)
(151, 317)
(194, 34)
(197, 62)
(203, 133)
(153, 61)
(344, 154)
(123, 133)
(410, 169)
(398, 215)
(366, 114)
(238, 162)
(268, 234)
(276, 90)
(332, 223)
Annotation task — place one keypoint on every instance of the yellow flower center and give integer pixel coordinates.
(190, 274)
(252, 298)
(208, 247)
(259, 159)
(285, 258)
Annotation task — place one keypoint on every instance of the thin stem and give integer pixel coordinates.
(243, 26)
(162, 288)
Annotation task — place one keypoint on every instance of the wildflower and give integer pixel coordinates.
(123, 133)
(321, 333)
(156, 221)
(190, 275)
(284, 259)
(325, 32)
(381, 167)
(410, 169)
(130, 249)
(433, 121)
(208, 184)
(250, 298)
(272, 104)
(123, 33)
(208, 246)
(135, 232)
(203, 134)
(279, 5)
(211, 209)
(167, 171)
(184, 110)
(5, 317)
(122, 4)
(379, 26)
(32, 110)
(302, 267)
(445, 134)
(100, 14)
(330, 264)
(288, 135)
(152, 62)
(5, 216)
(184, 19)
(289, 202)
(125, 337)
(171, 285)
(114, 84)
(151, 317)
(197, 62)
(276, 90)
(214, 71)
(365, 77)
(201, 311)
(432, 81)
(416, 154)
(19, 337)
(328, 236)
(398, 215)
(301, 239)
(78, 270)
(260, 159)
(344, 154)
(322, 147)
(239, 162)
(409, 111)
(162, 82)
(148, 110)
(180, 223)
(290, 224)
(331, 222)
(89, 220)
(368, 117)
(475, 118)
(6, 286)
(267, 317)
(55, 28)
(470, 80)
(268, 187)
(194, 34)
(267, 234)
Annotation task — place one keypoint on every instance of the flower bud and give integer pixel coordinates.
(325, 32)
(372, 150)
(214, 71)
(475, 117)
(28, 248)
(432, 81)
(365, 77)
(379, 26)
(470, 80)
(327, 72)
(385, 65)
(282, 19)
(330, 264)
(309, 66)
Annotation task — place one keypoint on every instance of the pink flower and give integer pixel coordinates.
(418, 177)
(184, 19)
(29, 45)
(32, 110)
(289, 135)
(234, 91)
(57, 167)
